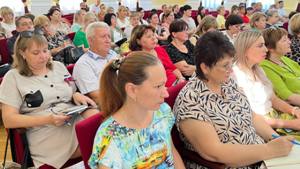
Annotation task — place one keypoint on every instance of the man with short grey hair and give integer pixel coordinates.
(88, 68)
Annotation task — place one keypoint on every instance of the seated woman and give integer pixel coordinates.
(117, 35)
(57, 40)
(33, 94)
(56, 21)
(143, 38)
(8, 23)
(294, 28)
(233, 25)
(161, 32)
(258, 21)
(80, 39)
(215, 118)
(207, 24)
(283, 72)
(137, 129)
(256, 86)
(180, 49)
(78, 20)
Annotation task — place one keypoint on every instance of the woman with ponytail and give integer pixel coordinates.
(136, 132)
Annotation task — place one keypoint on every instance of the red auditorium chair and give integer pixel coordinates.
(70, 68)
(86, 131)
(4, 51)
(21, 153)
(187, 154)
(71, 35)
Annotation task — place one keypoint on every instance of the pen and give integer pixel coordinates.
(293, 141)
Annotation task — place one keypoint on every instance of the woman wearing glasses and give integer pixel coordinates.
(251, 51)
(215, 118)
(33, 94)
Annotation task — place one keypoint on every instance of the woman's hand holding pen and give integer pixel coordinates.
(280, 146)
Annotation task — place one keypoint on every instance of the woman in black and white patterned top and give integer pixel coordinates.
(215, 117)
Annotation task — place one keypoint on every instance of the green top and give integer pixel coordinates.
(80, 39)
(285, 79)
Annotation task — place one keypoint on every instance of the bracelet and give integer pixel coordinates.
(294, 109)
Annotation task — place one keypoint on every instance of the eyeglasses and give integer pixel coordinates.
(29, 34)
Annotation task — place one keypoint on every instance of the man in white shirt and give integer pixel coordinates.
(87, 70)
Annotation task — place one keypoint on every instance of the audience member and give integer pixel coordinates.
(272, 18)
(117, 35)
(200, 14)
(294, 28)
(164, 9)
(80, 39)
(186, 16)
(132, 100)
(34, 94)
(258, 21)
(134, 21)
(233, 27)
(283, 15)
(122, 19)
(221, 17)
(256, 86)
(57, 41)
(176, 11)
(143, 38)
(7, 15)
(167, 19)
(56, 22)
(207, 24)
(88, 68)
(78, 22)
(84, 6)
(234, 10)
(243, 14)
(110, 10)
(181, 49)
(282, 71)
(258, 7)
(215, 118)
(249, 12)
(161, 32)
(95, 8)
(23, 23)
(141, 13)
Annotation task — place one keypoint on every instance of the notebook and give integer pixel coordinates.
(75, 109)
(292, 159)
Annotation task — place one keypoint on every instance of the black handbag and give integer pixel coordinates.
(72, 54)
(69, 55)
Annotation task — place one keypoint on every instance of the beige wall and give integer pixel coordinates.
(291, 5)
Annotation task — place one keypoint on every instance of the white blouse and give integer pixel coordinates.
(258, 94)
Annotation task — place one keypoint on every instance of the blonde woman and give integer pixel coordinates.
(122, 19)
(258, 21)
(250, 51)
(7, 23)
(207, 24)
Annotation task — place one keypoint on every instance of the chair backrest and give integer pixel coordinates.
(173, 92)
(71, 35)
(86, 131)
(4, 51)
(70, 68)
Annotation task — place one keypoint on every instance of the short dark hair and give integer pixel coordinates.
(233, 20)
(186, 7)
(178, 25)
(210, 48)
(52, 10)
(137, 34)
(107, 18)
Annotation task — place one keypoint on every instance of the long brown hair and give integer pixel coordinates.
(119, 72)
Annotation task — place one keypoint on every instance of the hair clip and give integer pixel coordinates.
(117, 63)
